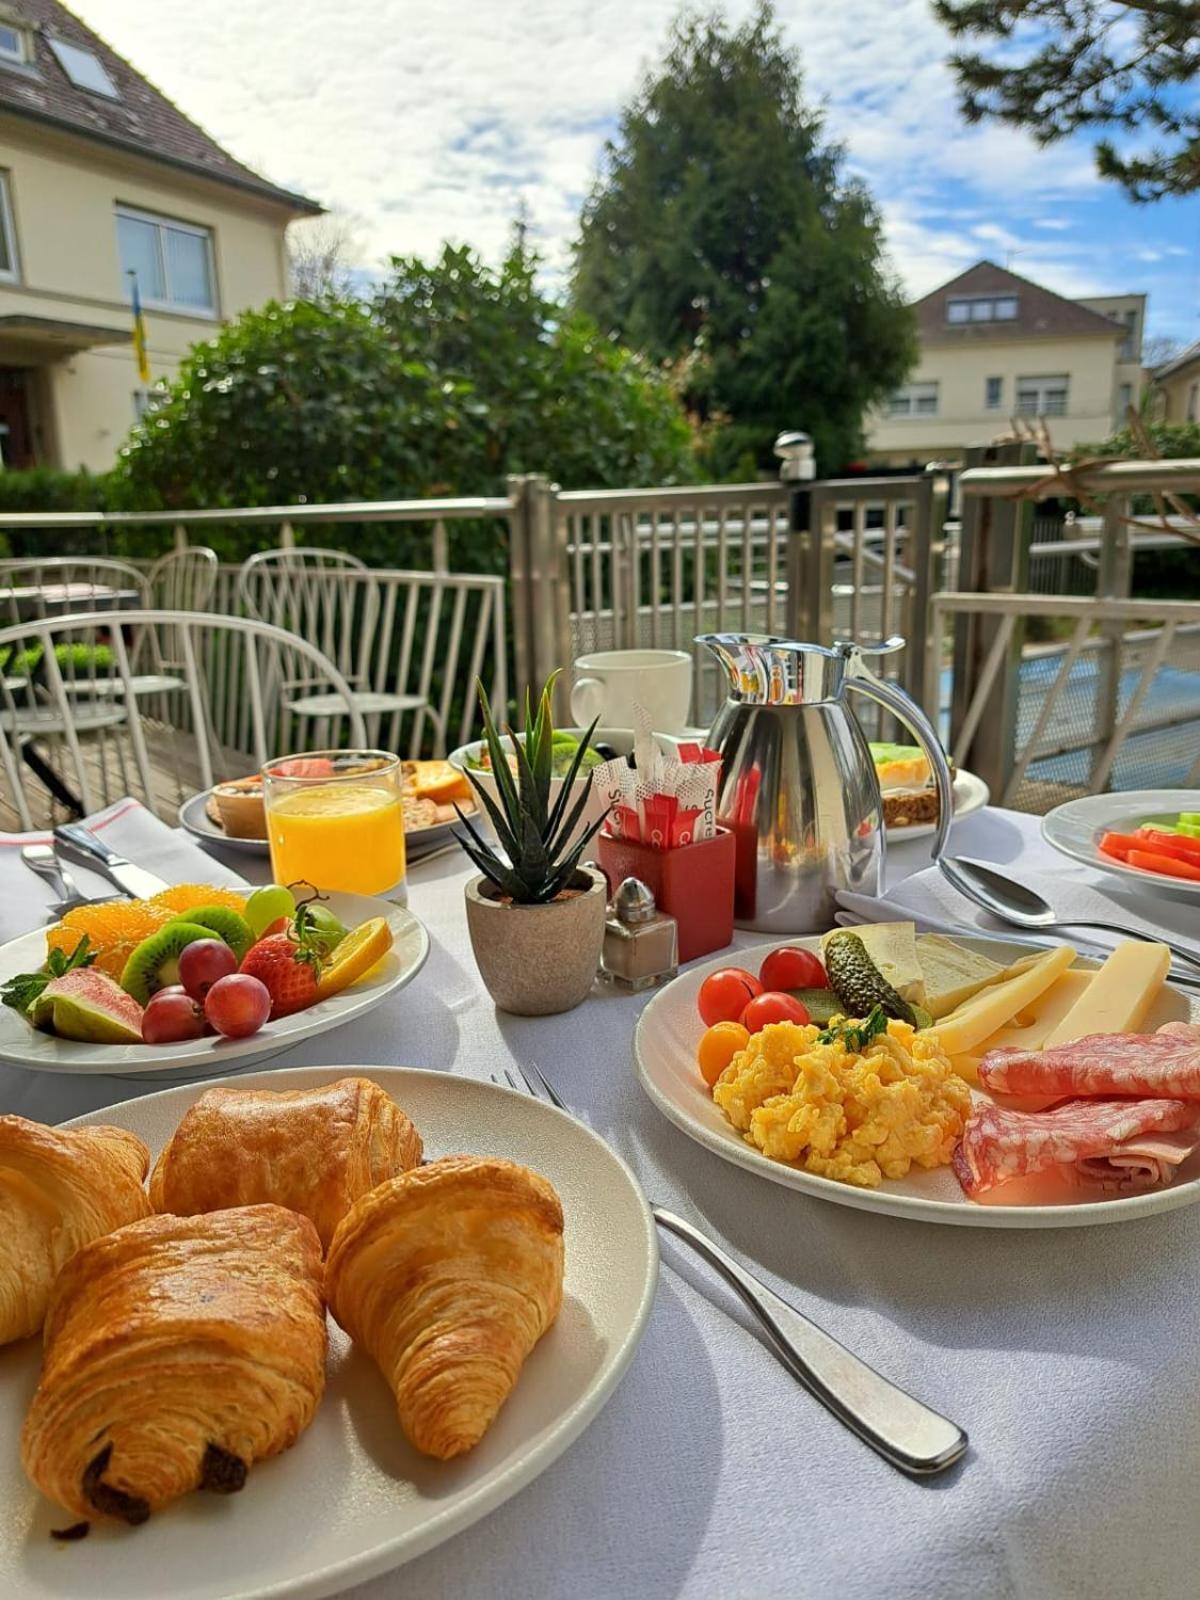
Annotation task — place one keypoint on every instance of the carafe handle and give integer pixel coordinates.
(860, 677)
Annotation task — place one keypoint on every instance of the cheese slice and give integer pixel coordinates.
(1120, 995)
(892, 947)
(952, 973)
(996, 1006)
(1032, 1026)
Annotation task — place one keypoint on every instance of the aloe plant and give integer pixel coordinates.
(536, 859)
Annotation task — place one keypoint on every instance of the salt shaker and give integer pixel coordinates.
(640, 942)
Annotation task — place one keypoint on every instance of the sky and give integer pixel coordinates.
(427, 120)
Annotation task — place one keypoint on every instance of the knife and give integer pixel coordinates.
(135, 881)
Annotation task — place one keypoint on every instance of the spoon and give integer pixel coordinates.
(1023, 907)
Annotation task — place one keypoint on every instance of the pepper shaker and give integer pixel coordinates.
(640, 941)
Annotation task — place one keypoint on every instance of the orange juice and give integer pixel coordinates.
(347, 836)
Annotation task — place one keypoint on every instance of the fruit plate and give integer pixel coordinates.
(352, 1498)
(971, 794)
(669, 1030)
(1075, 829)
(23, 1046)
(194, 817)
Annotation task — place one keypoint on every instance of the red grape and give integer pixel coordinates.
(238, 1005)
(202, 963)
(171, 1016)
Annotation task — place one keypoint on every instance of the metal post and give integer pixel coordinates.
(518, 582)
(996, 535)
(540, 589)
(809, 613)
(921, 667)
(1113, 582)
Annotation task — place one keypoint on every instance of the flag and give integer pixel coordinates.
(139, 331)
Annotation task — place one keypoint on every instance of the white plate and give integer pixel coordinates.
(352, 1498)
(970, 794)
(1075, 829)
(194, 817)
(670, 1028)
(23, 1046)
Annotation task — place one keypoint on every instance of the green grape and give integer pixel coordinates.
(267, 905)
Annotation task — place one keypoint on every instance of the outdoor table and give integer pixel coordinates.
(1071, 1356)
(30, 600)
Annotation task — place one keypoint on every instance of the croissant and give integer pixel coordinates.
(59, 1188)
(312, 1150)
(179, 1350)
(448, 1276)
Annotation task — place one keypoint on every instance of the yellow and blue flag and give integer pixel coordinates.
(140, 354)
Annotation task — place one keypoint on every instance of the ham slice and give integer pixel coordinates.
(1166, 1063)
(1119, 1146)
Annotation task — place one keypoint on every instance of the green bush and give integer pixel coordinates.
(1158, 574)
(47, 489)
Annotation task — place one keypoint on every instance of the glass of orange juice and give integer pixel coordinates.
(335, 820)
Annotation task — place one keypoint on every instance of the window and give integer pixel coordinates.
(1124, 401)
(982, 308)
(993, 393)
(1043, 397)
(172, 260)
(1193, 403)
(14, 43)
(83, 69)
(914, 400)
(8, 235)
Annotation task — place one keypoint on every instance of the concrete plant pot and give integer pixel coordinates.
(538, 960)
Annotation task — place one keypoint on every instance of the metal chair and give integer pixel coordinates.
(331, 597)
(225, 724)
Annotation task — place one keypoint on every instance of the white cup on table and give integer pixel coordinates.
(609, 683)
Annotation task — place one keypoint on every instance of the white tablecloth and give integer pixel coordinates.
(1072, 1358)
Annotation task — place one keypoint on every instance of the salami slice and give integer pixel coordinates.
(998, 1145)
(1165, 1063)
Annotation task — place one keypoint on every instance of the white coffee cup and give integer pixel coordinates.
(609, 683)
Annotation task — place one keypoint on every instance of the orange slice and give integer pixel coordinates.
(187, 896)
(358, 952)
(114, 931)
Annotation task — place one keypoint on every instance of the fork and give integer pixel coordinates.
(42, 859)
(906, 1433)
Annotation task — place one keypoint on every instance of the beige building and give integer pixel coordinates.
(1177, 387)
(102, 177)
(994, 346)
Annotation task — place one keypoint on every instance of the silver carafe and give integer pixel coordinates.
(798, 786)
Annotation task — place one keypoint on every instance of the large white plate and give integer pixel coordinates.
(23, 1046)
(194, 817)
(669, 1030)
(970, 794)
(352, 1498)
(1075, 829)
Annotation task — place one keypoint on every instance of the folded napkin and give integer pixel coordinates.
(1014, 845)
(126, 826)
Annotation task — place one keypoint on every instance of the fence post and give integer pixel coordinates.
(539, 587)
(921, 666)
(994, 559)
(1113, 582)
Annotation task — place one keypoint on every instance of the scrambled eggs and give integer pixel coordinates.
(856, 1116)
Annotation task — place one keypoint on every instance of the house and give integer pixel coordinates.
(1177, 387)
(995, 345)
(102, 177)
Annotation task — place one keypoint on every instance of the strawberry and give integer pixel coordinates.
(288, 967)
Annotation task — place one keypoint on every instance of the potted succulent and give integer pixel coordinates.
(535, 916)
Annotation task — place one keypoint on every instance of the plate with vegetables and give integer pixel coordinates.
(1150, 837)
(946, 1079)
(199, 979)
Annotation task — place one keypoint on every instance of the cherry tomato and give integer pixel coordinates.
(718, 1048)
(790, 968)
(773, 1007)
(724, 995)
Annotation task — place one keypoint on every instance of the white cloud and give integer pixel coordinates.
(430, 121)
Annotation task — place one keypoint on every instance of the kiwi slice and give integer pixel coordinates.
(155, 962)
(228, 925)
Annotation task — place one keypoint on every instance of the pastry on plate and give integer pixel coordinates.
(315, 1151)
(237, 808)
(60, 1188)
(448, 1276)
(178, 1352)
(906, 783)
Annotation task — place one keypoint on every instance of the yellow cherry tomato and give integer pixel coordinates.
(718, 1048)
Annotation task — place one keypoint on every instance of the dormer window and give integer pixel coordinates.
(16, 44)
(982, 308)
(84, 69)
